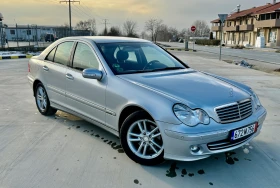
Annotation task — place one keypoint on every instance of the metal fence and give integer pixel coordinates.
(35, 35)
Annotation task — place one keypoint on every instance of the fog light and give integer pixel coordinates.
(195, 148)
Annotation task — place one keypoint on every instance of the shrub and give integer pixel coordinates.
(238, 47)
(207, 42)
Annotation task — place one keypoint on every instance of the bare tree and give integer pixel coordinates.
(154, 27)
(89, 24)
(202, 29)
(129, 28)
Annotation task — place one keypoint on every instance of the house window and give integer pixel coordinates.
(246, 21)
(273, 16)
(12, 32)
(262, 17)
(267, 16)
(28, 32)
(246, 37)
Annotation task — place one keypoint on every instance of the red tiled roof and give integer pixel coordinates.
(271, 8)
(255, 10)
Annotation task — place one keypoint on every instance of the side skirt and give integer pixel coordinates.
(101, 125)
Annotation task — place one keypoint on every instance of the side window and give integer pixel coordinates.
(84, 58)
(51, 55)
(63, 53)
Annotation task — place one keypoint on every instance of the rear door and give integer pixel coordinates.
(86, 96)
(54, 69)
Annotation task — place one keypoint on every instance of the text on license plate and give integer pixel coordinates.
(239, 133)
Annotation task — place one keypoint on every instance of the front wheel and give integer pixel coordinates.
(141, 139)
(42, 101)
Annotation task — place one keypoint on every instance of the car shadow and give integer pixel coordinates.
(220, 170)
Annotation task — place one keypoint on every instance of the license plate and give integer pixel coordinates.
(240, 133)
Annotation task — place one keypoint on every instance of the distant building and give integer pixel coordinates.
(37, 32)
(244, 26)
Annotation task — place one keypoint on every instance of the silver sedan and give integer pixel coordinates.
(158, 106)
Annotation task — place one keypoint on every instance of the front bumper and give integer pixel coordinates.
(178, 139)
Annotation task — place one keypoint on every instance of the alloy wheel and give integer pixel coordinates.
(144, 139)
(41, 98)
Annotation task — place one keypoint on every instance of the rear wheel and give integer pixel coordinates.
(141, 139)
(42, 101)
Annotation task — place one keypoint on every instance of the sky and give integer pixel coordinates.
(176, 13)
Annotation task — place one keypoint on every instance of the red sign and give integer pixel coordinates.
(193, 28)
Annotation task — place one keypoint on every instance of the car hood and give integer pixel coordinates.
(190, 87)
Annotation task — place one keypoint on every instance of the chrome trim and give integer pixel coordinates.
(227, 144)
(86, 102)
(238, 107)
(61, 92)
(110, 112)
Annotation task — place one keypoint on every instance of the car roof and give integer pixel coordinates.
(107, 39)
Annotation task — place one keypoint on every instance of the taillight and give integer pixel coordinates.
(28, 67)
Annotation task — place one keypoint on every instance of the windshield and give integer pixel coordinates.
(129, 58)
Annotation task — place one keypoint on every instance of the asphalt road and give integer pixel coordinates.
(65, 151)
(269, 57)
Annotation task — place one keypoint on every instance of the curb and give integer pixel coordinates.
(15, 57)
(181, 49)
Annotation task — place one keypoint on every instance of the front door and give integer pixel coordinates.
(86, 96)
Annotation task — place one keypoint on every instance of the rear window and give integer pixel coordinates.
(63, 52)
(50, 57)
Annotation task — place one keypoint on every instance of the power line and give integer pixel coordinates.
(69, 4)
(83, 12)
(90, 10)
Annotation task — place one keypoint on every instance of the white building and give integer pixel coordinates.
(37, 32)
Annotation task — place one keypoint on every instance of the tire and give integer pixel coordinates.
(148, 141)
(42, 101)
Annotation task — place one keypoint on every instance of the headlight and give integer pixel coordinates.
(256, 100)
(190, 117)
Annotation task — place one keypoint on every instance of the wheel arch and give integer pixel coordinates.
(35, 83)
(128, 110)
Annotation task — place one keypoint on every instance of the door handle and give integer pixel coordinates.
(45, 68)
(69, 76)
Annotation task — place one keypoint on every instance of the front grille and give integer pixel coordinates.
(224, 144)
(235, 111)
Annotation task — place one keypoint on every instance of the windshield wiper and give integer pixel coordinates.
(167, 68)
(152, 70)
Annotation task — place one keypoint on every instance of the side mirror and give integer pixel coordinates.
(92, 74)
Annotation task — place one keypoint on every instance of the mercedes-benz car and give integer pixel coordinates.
(157, 105)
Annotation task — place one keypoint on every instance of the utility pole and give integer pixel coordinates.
(223, 18)
(69, 4)
(17, 34)
(105, 23)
